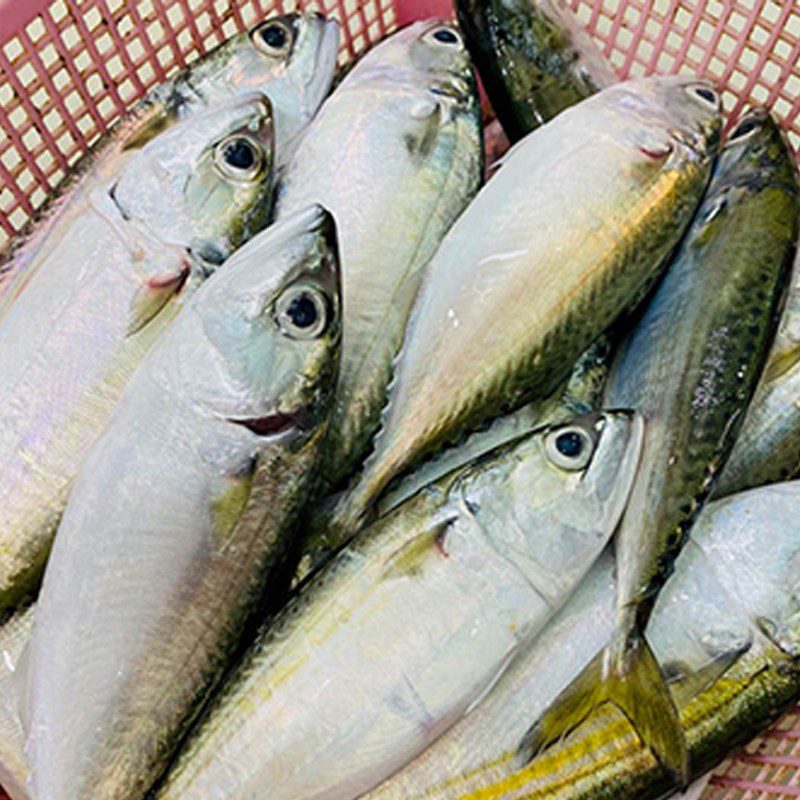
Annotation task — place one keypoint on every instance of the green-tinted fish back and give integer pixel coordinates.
(530, 63)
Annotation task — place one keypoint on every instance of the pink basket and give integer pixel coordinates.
(70, 68)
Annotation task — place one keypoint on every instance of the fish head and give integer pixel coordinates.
(756, 153)
(290, 57)
(205, 183)
(672, 121)
(260, 339)
(430, 53)
(557, 490)
(755, 159)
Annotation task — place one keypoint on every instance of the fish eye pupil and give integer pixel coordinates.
(706, 94)
(302, 311)
(569, 444)
(239, 154)
(274, 36)
(445, 36)
(744, 128)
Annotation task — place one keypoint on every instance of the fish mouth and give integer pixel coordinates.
(274, 425)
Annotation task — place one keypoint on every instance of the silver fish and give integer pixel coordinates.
(290, 58)
(411, 624)
(395, 154)
(569, 231)
(741, 567)
(103, 295)
(181, 516)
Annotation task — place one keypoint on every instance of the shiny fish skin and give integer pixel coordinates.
(740, 565)
(534, 59)
(412, 622)
(395, 154)
(181, 516)
(568, 232)
(103, 296)
(690, 366)
(295, 79)
(580, 394)
(767, 448)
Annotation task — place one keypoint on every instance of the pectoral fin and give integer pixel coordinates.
(689, 683)
(630, 679)
(779, 364)
(410, 560)
(151, 297)
(230, 501)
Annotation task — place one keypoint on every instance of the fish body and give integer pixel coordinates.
(740, 566)
(295, 74)
(395, 154)
(412, 623)
(767, 448)
(567, 233)
(690, 366)
(181, 516)
(71, 340)
(581, 393)
(533, 57)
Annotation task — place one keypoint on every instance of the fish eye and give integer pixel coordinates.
(444, 35)
(273, 38)
(302, 312)
(744, 130)
(239, 158)
(569, 448)
(705, 95)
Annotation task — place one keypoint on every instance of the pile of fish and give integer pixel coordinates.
(332, 469)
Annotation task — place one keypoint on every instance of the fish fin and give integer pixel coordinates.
(410, 559)
(632, 681)
(782, 362)
(151, 297)
(691, 683)
(230, 501)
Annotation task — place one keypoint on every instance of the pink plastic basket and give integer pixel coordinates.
(70, 68)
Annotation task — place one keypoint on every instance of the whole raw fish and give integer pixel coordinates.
(740, 568)
(534, 59)
(181, 516)
(107, 291)
(570, 230)
(690, 366)
(395, 154)
(411, 624)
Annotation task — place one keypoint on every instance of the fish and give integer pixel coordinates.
(767, 448)
(109, 289)
(572, 228)
(741, 567)
(580, 394)
(690, 366)
(395, 154)
(534, 59)
(290, 58)
(181, 516)
(411, 624)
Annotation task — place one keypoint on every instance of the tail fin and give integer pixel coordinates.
(631, 679)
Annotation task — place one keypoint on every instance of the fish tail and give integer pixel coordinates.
(626, 674)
